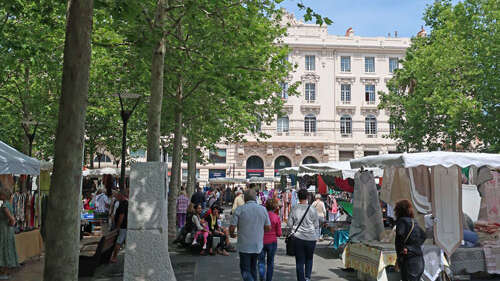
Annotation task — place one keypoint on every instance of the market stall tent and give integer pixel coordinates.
(429, 159)
(104, 171)
(339, 169)
(13, 162)
(445, 185)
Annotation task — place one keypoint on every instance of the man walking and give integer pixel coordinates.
(198, 198)
(252, 220)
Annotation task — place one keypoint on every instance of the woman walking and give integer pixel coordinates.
(270, 242)
(305, 236)
(8, 252)
(409, 239)
(320, 208)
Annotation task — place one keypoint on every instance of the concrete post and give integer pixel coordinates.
(147, 257)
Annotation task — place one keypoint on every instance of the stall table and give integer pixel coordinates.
(370, 259)
(28, 245)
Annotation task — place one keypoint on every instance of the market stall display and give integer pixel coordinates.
(406, 178)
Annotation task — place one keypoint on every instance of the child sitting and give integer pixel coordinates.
(203, 232)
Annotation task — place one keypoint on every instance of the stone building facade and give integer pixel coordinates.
(334, 118)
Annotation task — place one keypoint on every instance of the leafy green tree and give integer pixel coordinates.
(446, 94)
(31, 55)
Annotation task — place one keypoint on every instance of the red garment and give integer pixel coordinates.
(272, 235)
(322, 186)
(344, 185)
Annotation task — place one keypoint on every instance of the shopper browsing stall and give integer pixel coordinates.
(8, 252)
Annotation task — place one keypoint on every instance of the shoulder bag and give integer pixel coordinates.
(290, 239)
(404, 243)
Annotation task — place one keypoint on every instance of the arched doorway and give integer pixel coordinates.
(255, 167)
(280, 163)
(309, 160)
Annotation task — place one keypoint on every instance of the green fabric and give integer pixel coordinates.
(346, 206)
(8, 252)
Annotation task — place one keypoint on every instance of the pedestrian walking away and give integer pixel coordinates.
(305, 236)
(266, 268)
(251, 220)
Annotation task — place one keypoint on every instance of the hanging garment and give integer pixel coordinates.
(385, 191)
(367, 223)
(321, 186)
(420, 192)
(344, 185)
(490, 199)
(447, 207)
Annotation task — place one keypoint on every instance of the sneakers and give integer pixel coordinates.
(204, 246)
(194, 243)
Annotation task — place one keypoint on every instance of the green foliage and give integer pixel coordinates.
(32, 39)
(446, 95)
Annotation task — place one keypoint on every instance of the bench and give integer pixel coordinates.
(105, 247)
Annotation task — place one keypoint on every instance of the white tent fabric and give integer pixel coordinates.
(226, 180)
(429, 159)
(338, 169)
(104, 171)
(261, 180)
(289, 171)
(13, 162)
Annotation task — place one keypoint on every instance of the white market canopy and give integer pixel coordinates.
(429, 159)
(289, 171)
(338, 169)
(226, 180)
(261, 180)
(13, 162)
(104, 171)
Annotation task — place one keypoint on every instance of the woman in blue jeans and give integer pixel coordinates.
(270, 242)
(306, 236)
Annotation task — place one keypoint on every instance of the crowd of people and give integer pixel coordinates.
(110, 205)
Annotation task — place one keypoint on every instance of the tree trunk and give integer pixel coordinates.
(192, 157)
(63, 215)
(175, 180)
(155, 102)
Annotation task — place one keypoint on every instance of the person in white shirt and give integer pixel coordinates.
(102, 202)
(321, 210)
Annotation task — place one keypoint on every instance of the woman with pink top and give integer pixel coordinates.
(270, 242)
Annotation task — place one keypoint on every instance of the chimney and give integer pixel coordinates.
(396, 33)
(349, 32)
(422, 32)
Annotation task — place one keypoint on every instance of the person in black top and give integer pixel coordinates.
(216, 231)
(409, 240)
(198, 198)
(121, 223)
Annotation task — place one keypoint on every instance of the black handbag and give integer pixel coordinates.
(290, 239)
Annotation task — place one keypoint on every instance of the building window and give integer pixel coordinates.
(310, 92)
(310, 63)
(391, 127)
(282, 124)
(346, 125)
(370, 125)
(370, 153)
(346, 155)
(345, 64)
(393, 64)
(218, 156)
(345, 93)
(369, 64)
(284, 90)
(310, 123)
(370, 94)
(103, 158)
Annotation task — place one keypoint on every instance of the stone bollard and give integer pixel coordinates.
(147, 257)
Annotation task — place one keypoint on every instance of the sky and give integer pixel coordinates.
(369, 18)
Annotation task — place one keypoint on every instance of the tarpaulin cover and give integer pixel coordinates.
(429, 159)
(15, 163)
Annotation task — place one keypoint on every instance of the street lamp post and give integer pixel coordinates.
(29, 135)
(125, 115)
